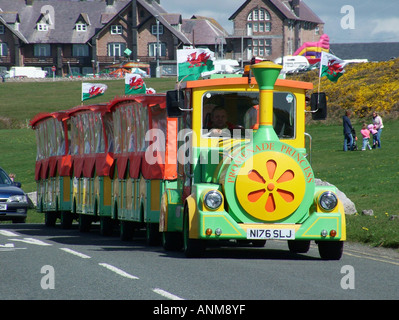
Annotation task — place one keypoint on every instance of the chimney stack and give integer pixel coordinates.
(295, 6)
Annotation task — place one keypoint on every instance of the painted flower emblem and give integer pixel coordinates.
(272, 185)
(271, 188)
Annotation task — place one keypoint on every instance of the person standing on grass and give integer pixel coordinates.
(377, 122)
(348, 138)
(366, 137)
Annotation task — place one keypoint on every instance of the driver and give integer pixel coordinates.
(219, 125)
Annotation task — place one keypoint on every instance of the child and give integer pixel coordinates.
(374, 132)
(366, 137)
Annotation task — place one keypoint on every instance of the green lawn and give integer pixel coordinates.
(369, 178)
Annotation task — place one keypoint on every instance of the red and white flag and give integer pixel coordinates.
(331, 66)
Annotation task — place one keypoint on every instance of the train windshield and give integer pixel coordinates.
(223, 112)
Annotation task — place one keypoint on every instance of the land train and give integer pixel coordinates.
(154, 161)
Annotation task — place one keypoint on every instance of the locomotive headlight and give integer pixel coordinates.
(213, 200)
(328, 201)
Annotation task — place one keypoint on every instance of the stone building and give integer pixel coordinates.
(272, 28)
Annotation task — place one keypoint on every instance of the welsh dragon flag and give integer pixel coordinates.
(192, 62)
(134, 83)
(92, 90)
(331, 66)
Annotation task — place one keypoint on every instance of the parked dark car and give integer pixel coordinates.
(13, 201)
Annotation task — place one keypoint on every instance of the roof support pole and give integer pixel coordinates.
(134, 30)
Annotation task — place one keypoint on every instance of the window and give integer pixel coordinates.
(3, 49)
(154, 29)
(80, 50)
(115, 49)
(244, 109)
(261, 47)
(261, 22)
(42, 27)
(152, 49)
(258, 15)
(81, 27)
(42, 50)
(116, 29)
(2, 29)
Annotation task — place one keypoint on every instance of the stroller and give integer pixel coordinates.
(354, 145)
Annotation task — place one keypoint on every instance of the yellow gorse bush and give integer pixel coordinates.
(363, 88)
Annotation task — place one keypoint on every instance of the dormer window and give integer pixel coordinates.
(42, 27)
(45, 22)
(81, 27)
(82, 22)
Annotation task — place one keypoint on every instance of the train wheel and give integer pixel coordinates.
(331, 250)
(153, 236)
(84, 222)
(66, 219)
(106, 226)
(192, 247)
(50, 219)
(126, 230)
(172, 241)
(298, 246)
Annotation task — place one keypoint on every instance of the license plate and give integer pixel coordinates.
(280, 234)
(3, 207)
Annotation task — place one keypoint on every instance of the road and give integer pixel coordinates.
(51, 263)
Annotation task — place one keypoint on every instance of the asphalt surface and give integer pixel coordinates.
(39, 263)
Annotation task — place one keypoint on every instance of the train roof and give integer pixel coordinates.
(238, 81)
(59, 115)
(100, 107)
(148, 100)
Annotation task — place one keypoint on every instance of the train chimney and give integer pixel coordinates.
(266, 74)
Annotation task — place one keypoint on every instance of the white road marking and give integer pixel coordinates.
(76, 253)
(10, 249)
(118, 271)
(166, 294)
(8, 233)
(7, 245)
(32, 241)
